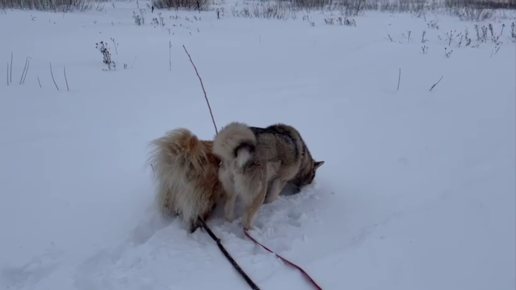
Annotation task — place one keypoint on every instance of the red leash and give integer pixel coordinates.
(285, 260)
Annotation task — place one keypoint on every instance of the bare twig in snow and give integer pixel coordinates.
(170, 55)
(11, 69)
(436, 83)
(399, 80)
(205, 96)
(66, 79)
(52, 74)
(39, 82)
(114, 44)
(24, 69)
(134, 60)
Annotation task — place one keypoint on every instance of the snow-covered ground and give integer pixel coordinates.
(418, 188)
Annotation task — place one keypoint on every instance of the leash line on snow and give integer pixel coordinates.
(228, 256)
(285, 260)
(239, 269)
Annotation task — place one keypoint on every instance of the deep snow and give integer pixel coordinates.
(417, 192)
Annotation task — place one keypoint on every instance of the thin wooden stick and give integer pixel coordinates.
(170, 55)
(399, 80)
(11, 69)
(7, 74)
(66, 80)
(436, 83)
(205, 95)
(134, 61)
(39, 83)
(24, 68)
(52, 74)
(26, 71)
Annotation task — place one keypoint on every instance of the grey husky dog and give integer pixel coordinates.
(258, 162)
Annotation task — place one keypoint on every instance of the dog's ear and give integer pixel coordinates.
(318, 164)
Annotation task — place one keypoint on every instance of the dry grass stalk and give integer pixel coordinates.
(202, 85)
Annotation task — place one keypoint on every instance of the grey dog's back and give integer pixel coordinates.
(276, 151)
(277, 143)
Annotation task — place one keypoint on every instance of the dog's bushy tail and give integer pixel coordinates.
(235, 142)
(175, 158)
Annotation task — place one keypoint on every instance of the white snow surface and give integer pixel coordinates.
(417, 190)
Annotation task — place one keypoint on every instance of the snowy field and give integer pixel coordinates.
(418, 188)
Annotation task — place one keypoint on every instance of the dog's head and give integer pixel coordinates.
(306, 175)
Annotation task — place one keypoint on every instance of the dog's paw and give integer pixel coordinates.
(253, 229)
(248, 227)
(229, 219)
(269, 199)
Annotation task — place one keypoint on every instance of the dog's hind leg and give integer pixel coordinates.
(254, 205)
(274, 190)
(229, 192)
(229, 206)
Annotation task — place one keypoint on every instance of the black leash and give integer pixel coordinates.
(228, 256)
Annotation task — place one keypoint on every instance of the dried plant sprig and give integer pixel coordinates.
(202, 85)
